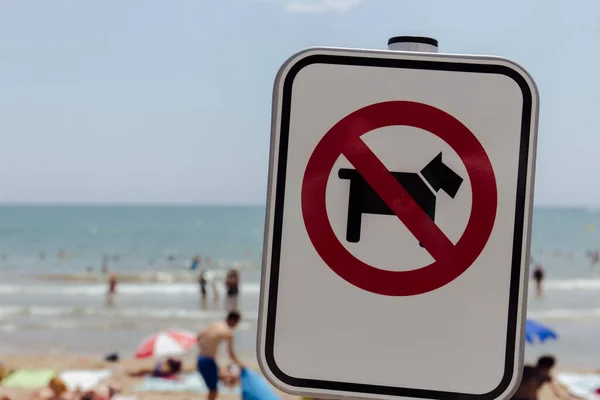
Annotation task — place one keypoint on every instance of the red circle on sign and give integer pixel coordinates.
(344, 138)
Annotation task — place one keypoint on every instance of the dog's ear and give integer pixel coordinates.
(440, 176)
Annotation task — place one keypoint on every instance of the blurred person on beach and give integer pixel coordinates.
(56, 390)
(102, 391)
(215, 290)
(167, 369)
(113, 280)
(545, 364)
(5, 371)
(105, 264)
(171, 255)
(196, 263)
(230, 376)
(594, 257)
(529, 385)
(538, 277)
(208, 344)
(232, 289)
(202, 282)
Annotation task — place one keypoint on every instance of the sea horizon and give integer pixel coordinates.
(57, 204)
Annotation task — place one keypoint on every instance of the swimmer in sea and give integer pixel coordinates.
(538, 277)
(105, 264)
(112, 289)
(196, 263)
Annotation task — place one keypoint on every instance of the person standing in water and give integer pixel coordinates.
(112, 288)
(202, 282)
(105, 264)
(594, 257)
(538, 277)
(232, 290)
(208, 344)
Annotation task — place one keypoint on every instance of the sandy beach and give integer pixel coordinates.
(120, 377)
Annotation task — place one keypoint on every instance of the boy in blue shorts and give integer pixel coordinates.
(208, 342)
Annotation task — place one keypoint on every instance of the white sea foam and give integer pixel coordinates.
(566, 314)
(130, 289)
(573, 284)
(158, 313)
(191, 288)
(108, 326)
(8, 327)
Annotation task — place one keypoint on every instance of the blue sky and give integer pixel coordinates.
(169, 101)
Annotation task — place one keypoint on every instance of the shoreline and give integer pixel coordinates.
(174, 276)
(214, 273)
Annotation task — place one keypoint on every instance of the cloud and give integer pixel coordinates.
(319, 6)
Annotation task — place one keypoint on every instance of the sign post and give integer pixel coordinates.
(398, 221)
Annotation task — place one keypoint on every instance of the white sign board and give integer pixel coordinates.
(398, 225)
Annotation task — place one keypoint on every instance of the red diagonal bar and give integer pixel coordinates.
(398, 200)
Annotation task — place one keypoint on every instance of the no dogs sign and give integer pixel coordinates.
(398, 222)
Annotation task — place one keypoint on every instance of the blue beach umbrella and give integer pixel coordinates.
(536, 331)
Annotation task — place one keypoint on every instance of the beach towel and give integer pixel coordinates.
(255, 387)
(580, 385)
(84, 379)
(29, 378)
(187, 383)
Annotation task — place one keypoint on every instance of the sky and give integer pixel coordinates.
(148, 101)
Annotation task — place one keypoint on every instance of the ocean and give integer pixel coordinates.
(52, 290)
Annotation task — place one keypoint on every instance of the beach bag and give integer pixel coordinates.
(255, 387)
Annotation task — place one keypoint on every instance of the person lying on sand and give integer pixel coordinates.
(100, 392)
(167, 369)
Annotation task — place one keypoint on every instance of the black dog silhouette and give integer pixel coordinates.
(364, 200)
